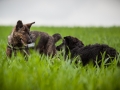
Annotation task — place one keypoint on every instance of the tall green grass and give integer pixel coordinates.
(45, 73)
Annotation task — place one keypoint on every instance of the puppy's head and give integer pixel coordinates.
(22, 32)
(72, 42)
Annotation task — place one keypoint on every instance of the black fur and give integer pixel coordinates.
(87, 53)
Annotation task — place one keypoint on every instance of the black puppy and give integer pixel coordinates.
(87, 53)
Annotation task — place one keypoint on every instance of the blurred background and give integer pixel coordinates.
(61, 12)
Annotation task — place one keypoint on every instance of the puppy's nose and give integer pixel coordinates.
(29, 41)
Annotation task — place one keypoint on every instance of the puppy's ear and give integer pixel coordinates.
(75, 40)
(78, 42)
(29, 24)
(19, 25)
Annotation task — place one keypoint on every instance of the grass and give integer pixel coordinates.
(45, 73)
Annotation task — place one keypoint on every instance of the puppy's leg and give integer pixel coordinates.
(41, 44)
(50, 47)
(9, 52)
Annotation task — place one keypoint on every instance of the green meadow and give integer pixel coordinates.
(45, 73)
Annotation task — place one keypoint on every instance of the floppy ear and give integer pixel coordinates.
(78, 42)
(19, 25)
(29, 24)
(75, 40)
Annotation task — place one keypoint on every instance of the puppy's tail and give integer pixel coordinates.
(57, 37)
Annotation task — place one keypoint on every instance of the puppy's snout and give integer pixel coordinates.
(29, 41)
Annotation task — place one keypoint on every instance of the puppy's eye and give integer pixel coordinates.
(22, 31)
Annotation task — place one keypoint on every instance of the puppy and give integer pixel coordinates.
(19, 38)
(87, 53)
